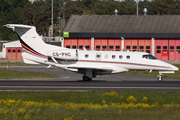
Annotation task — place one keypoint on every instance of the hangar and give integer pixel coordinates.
(155, 34)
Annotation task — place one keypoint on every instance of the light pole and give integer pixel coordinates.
(52, 17)
(137, 6)
(59, 26)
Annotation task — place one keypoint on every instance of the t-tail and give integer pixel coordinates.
(35, 50)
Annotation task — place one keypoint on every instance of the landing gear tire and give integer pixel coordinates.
(86, 78)
(160, 78)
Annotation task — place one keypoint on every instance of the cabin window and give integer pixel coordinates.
(87, 47)
(128, 47)
(141, 47)
(67, 46)
(171, 47)
(120, 56)
(128, 57)
(86, 55)
(148, 51)
(106, 56)
(113, 56)
(134, 47)
(147, 47)
(158, 47)
(80, 47)
(164, 47)
(177, 47)
(98, 56)
(149, 56)
(158, 51)
(74, 46)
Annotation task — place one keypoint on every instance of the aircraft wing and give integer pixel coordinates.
(100, 69)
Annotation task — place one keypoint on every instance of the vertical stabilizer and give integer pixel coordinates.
(30, 40)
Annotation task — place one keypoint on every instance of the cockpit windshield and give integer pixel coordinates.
(149, 56)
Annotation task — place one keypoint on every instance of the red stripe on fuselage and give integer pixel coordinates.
(32, 51)
(122, 63)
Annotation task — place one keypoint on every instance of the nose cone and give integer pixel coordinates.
(174, 68)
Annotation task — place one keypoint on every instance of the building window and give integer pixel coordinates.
(164, 51)
(14, 51)
(148, 51)
(120, 56)
(128, 47)
(113, 56)
(67, 46)
(147, 47)
(171, 47)
(19, 51)
(177, 47)
(158, 47)
(158, 51)
(104, 47)
(111, 47)
(141, 50)
(134, 47)
(80, 47)
(128, 57)
(117, 47)
(87, 47)
(164, 47)
(171, 51)
(74, 47)
(86, 56)
(178, 51)
(97, 47)
(9, 50)
(141, 47)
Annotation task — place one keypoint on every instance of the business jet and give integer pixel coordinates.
(89, 63)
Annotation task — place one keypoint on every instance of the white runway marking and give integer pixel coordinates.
(79, 87)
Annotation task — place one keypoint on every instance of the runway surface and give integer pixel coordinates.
(72, 81)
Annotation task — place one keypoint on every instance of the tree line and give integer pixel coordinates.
(38, 13)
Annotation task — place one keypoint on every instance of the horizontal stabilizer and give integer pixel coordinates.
(29, 61)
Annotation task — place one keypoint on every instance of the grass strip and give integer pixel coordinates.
(12, 64)
(89, 105)
(14, 74)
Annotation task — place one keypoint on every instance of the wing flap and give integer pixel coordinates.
(93, 68)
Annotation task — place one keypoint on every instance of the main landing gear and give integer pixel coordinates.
(88, 75)
(86, 78)
(160, 78)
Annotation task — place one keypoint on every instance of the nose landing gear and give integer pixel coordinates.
(160, 78)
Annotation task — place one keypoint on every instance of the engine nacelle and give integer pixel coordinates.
(62, 54)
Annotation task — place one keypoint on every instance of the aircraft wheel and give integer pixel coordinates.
(86, 78)
(160, 78)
